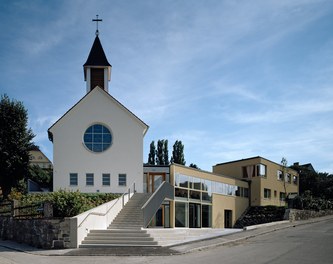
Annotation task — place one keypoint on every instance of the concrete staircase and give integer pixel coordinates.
(126, 228)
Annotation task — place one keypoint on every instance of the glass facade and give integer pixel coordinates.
(194, 188)
(193, 199)
(181, 214)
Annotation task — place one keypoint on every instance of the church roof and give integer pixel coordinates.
(97, 56)
(143, 124)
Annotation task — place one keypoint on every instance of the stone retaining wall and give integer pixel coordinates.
(294, 214)
(40, 233)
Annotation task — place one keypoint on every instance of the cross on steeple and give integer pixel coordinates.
(97, 20)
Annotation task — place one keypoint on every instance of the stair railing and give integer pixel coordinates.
(99, 217)
(165, 190)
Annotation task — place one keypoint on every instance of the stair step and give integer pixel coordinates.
(111, 231)
(120, 235)
(115, 245)
(118, 238)
(125, 230)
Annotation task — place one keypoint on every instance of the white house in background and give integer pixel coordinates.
(98, 143)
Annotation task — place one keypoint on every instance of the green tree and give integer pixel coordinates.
(152, 152)
(194, 166)
(159, 152)
(15, 143)
(165, 153)
(178, 153)
(284, 163)
(308, 180)
(318, 184)
(41, 176)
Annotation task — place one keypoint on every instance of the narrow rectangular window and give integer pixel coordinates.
(246, 192)
(282, 196)
(288, 177)
(295, 180)
(248, 171)
(279, 175)
(267, 193)
(261, 170)
(106, 179)
(90, 179)
(73, 179)
(122, 180)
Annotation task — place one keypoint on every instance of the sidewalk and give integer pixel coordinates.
(227, 239)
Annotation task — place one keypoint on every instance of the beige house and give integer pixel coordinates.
(269, 182)
(39, 159)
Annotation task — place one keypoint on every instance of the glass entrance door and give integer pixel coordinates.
(154, 181)
(162, 216)
(194, 215)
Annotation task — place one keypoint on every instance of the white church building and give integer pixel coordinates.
(98, 143)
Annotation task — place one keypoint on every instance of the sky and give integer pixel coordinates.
(230, 79)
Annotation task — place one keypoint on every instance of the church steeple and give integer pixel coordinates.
(97, 69)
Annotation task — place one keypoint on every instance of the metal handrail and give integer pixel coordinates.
(128, 192)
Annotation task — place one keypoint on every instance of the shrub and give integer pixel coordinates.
(308, 202)
(65, 203)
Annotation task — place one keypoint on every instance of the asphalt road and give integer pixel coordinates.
(310, 243)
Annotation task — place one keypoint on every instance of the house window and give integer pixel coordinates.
(267, 193)
(90, 179)
(295, 180)
(275, 193)
(288, 177)
(106, 179)
(73, 179)
(246, 192)
(282, 196)
(248, 171)
(261, 170)
(122, 179)
(280, 175)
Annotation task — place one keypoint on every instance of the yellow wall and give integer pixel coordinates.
(223, 202)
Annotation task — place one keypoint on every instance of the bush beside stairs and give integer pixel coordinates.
(257, 215)
(125, 230)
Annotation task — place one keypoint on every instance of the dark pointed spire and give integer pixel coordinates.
(97, 69)
(97, 56)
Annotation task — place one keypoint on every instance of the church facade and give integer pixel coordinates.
(98, 143)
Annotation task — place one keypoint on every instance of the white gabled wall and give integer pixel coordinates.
(124, 156)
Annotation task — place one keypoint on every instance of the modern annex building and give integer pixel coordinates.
(98, 147)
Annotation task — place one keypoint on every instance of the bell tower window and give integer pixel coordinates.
(97, 78)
